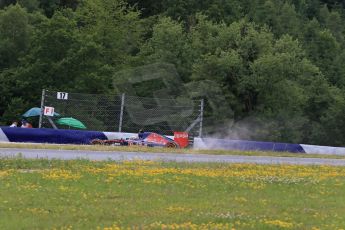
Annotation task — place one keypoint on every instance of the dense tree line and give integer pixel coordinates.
(278, 66)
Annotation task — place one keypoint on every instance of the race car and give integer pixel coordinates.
(148, 139)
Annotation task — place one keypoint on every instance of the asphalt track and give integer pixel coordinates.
(177, 157)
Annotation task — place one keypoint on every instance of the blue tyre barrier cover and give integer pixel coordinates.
(64, 136)
(56, 136)
(212, 143)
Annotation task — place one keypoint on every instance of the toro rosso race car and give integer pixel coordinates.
(148, 139)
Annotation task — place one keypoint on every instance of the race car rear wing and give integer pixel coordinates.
(181, 138)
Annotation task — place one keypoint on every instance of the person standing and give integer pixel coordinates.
(26, 124)
(141, 134)
(14, 124)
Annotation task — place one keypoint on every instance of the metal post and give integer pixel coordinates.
(42, 108)
(121, 112)
(52, 123)
(201, 116)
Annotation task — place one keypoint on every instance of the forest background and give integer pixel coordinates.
(277, 66)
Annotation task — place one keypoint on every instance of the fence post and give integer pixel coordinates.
(201, 116)
(42, 108)
(121, 112)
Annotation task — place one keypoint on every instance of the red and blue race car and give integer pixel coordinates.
(148, 139)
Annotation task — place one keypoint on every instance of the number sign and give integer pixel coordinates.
(62, 96)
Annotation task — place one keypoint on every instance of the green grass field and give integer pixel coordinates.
(44, 194)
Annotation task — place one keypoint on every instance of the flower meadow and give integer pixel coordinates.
(82, 194)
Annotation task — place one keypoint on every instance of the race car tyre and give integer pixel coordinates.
(171, 145)
(97, 142)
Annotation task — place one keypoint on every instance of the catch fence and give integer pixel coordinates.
(122, 113)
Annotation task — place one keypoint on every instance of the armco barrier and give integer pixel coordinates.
(328, 150)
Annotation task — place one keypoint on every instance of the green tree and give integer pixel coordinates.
(30, 5)
(112, 25)
(330, 128)
(225, 54)
(15, 35)
(323, 49)
(14, 110)
(169, 43)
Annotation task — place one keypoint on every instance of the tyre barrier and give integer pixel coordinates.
(213, 143)
(53, 136)
(58, 136)
(64, 136)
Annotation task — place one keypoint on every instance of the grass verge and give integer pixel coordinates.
(80, 194)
